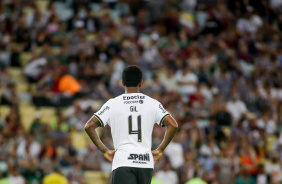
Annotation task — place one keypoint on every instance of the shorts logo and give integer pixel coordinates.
(140, 157)
(103, 110)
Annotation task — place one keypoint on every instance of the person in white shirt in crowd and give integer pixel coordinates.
(236, 107)
(269, 93)
(9, 95)
(155, 85)
(262, 176)
(86, 102)
(15, 177)
(250, 23)
(276, 4)
(168, 79)
(267, 123)
(274, 169)
(187, 81)
(33, 70)
(28, 147)
(210, 149)
(175, 153)
(152, 54)
(167, 175)
(209, 152)
(125, 27)
(189, 5)
(277, 146)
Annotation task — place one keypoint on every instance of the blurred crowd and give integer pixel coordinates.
(215, 65)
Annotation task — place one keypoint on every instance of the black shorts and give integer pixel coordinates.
(131, 175)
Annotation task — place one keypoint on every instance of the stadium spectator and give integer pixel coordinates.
(76, 175)
(9, 96)
(15, 177)
(244, 177)
(55, 177)
(92, 160)
(3, 179)
(174, 151)
(186, 80)
(167, 175)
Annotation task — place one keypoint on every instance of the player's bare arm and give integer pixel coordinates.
(172, 127)
(90, 129)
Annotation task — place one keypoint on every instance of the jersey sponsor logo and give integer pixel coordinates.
(161, 107)
(134, 101)
(136, 97)
(139, 157)
(103, 110)
(131, 102)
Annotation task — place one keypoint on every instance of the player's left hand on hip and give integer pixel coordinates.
(157, 154)
(109, 155)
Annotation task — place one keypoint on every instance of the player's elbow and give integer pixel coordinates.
(174, 126)
(171, 123)
(87, 126)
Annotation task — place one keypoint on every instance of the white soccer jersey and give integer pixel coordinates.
(131, 117)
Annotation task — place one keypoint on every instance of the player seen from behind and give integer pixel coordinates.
(131, 117)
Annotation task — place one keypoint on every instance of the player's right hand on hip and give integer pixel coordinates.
(157, 154)
(109, 155)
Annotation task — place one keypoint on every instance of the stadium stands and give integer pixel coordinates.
(216, 65)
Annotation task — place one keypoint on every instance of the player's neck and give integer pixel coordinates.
(131, 90)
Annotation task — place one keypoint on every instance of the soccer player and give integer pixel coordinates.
(131, 117)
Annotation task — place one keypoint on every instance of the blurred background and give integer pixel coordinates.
(215, 65)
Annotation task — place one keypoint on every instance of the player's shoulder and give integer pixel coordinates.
(115, 100)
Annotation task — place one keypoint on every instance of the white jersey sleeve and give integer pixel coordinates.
(104, 113)
(161, 113)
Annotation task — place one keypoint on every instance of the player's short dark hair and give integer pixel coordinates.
(132, 76)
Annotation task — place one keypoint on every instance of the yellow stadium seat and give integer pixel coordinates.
(55, 50)
(27, 10)
(26, 121)
(79, 140)
(47, 114)
(25, 57)
(22, 87)
(270, 141)
(91, 37)
(47, 119)
(42, 5)
(16, 74)
(63, 110)
(38, 50)
(32, 88)
(27, 113)
(27, 109)
(226, 130)
(24, 102)
(96, 177)
(48, 111)
(4, 110)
